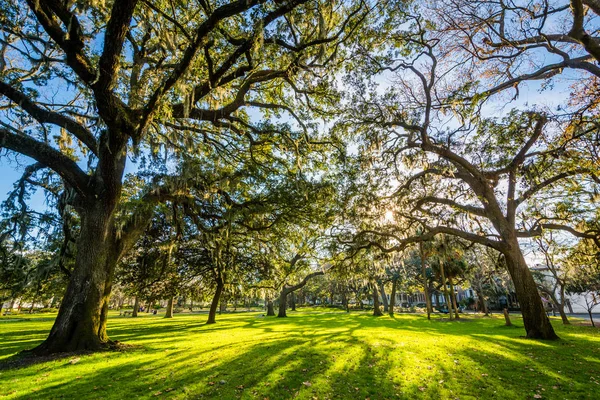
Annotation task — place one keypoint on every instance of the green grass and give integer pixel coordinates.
(309, 355)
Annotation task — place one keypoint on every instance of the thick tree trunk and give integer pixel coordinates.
(384, 299)
(507, 318)
(282, 303)
(481, 299)
(293, 301)
(212, 312)
(136, 307)
(393, 297)
(453, 297)
(81, 321)
(270, 309)
(169, 311)
(376, 310)
(537, 324)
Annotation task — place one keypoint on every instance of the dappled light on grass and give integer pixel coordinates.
(310, 354)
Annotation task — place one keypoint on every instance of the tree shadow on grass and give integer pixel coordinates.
(330, 355)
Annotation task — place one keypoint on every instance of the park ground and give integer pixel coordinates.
(309, 355)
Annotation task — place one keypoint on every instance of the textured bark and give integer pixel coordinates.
(445, 286)
(453, 296)
(506, 318)
(481, 299)
(376, 310)
(169, 310)
(270, 309)
(81, 321)
(384, 299)
(212, 312)
(393, 297)
(536, 321)
(136, 307)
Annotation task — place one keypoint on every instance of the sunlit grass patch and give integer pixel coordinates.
(311, 354)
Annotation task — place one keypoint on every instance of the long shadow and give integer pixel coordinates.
(319, 355)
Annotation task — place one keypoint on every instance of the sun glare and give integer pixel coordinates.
(389, 216)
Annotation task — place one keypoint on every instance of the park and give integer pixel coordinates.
(317, 199)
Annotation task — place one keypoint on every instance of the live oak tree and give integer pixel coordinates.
(147, 78)
(458, 173)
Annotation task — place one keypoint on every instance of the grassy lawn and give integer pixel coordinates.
(309, 355)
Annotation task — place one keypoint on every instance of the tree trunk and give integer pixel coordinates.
(282, 303)
(425, 283)
(136, 307)
(270, 309)
(212, 313)
(169, 311)
(561, 307)
(81, 321)
(191, 305)
(376, 310)
(290, 289)
(591, 317)
(393, 297)
(537, 324)
(384, 299)
(507, 318)
(446, 295)
(293, 301)
(453, 297)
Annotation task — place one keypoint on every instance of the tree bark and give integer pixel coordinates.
(536, 321)
(507, 318)
(270, 309)
(81, 321)
(293, 301)
(393, 297)
(482, 301)
(425, 283)
(169, 311)
(212, 312)
(453, 297)
(376, 310)
(345, 301)
(136, 307)
(561, 306)
(384, 299)
(591, 317)
(445, 286)
(286, 290)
